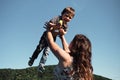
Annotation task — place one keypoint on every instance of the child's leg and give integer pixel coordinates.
(45, 54)
(38, 49)
(43, 59)
(35, 54)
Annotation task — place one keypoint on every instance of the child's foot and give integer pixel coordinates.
(41, 68)
(30, 63)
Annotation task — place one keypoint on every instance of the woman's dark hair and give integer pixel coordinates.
(81, 52)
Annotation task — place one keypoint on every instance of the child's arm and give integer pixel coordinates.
(49, 25)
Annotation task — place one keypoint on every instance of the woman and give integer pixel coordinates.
(74, 59)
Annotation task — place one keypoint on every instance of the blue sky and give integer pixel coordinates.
(21, 26)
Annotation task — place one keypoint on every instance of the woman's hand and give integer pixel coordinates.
(62, 32)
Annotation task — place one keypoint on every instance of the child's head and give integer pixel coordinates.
(67, 14)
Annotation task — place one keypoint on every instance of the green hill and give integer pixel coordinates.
(31, 73)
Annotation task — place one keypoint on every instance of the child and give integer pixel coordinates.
(53, 25)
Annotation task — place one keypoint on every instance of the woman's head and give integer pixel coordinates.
(80, 48)
(80, 43)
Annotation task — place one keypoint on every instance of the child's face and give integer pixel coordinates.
(67, 17)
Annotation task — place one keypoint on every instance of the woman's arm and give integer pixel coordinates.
(64, 42)
(61, 54)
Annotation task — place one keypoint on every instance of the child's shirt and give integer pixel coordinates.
(55, 30)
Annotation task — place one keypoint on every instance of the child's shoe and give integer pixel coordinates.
(30, 63)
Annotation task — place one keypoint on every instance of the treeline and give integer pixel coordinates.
(31, 73)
